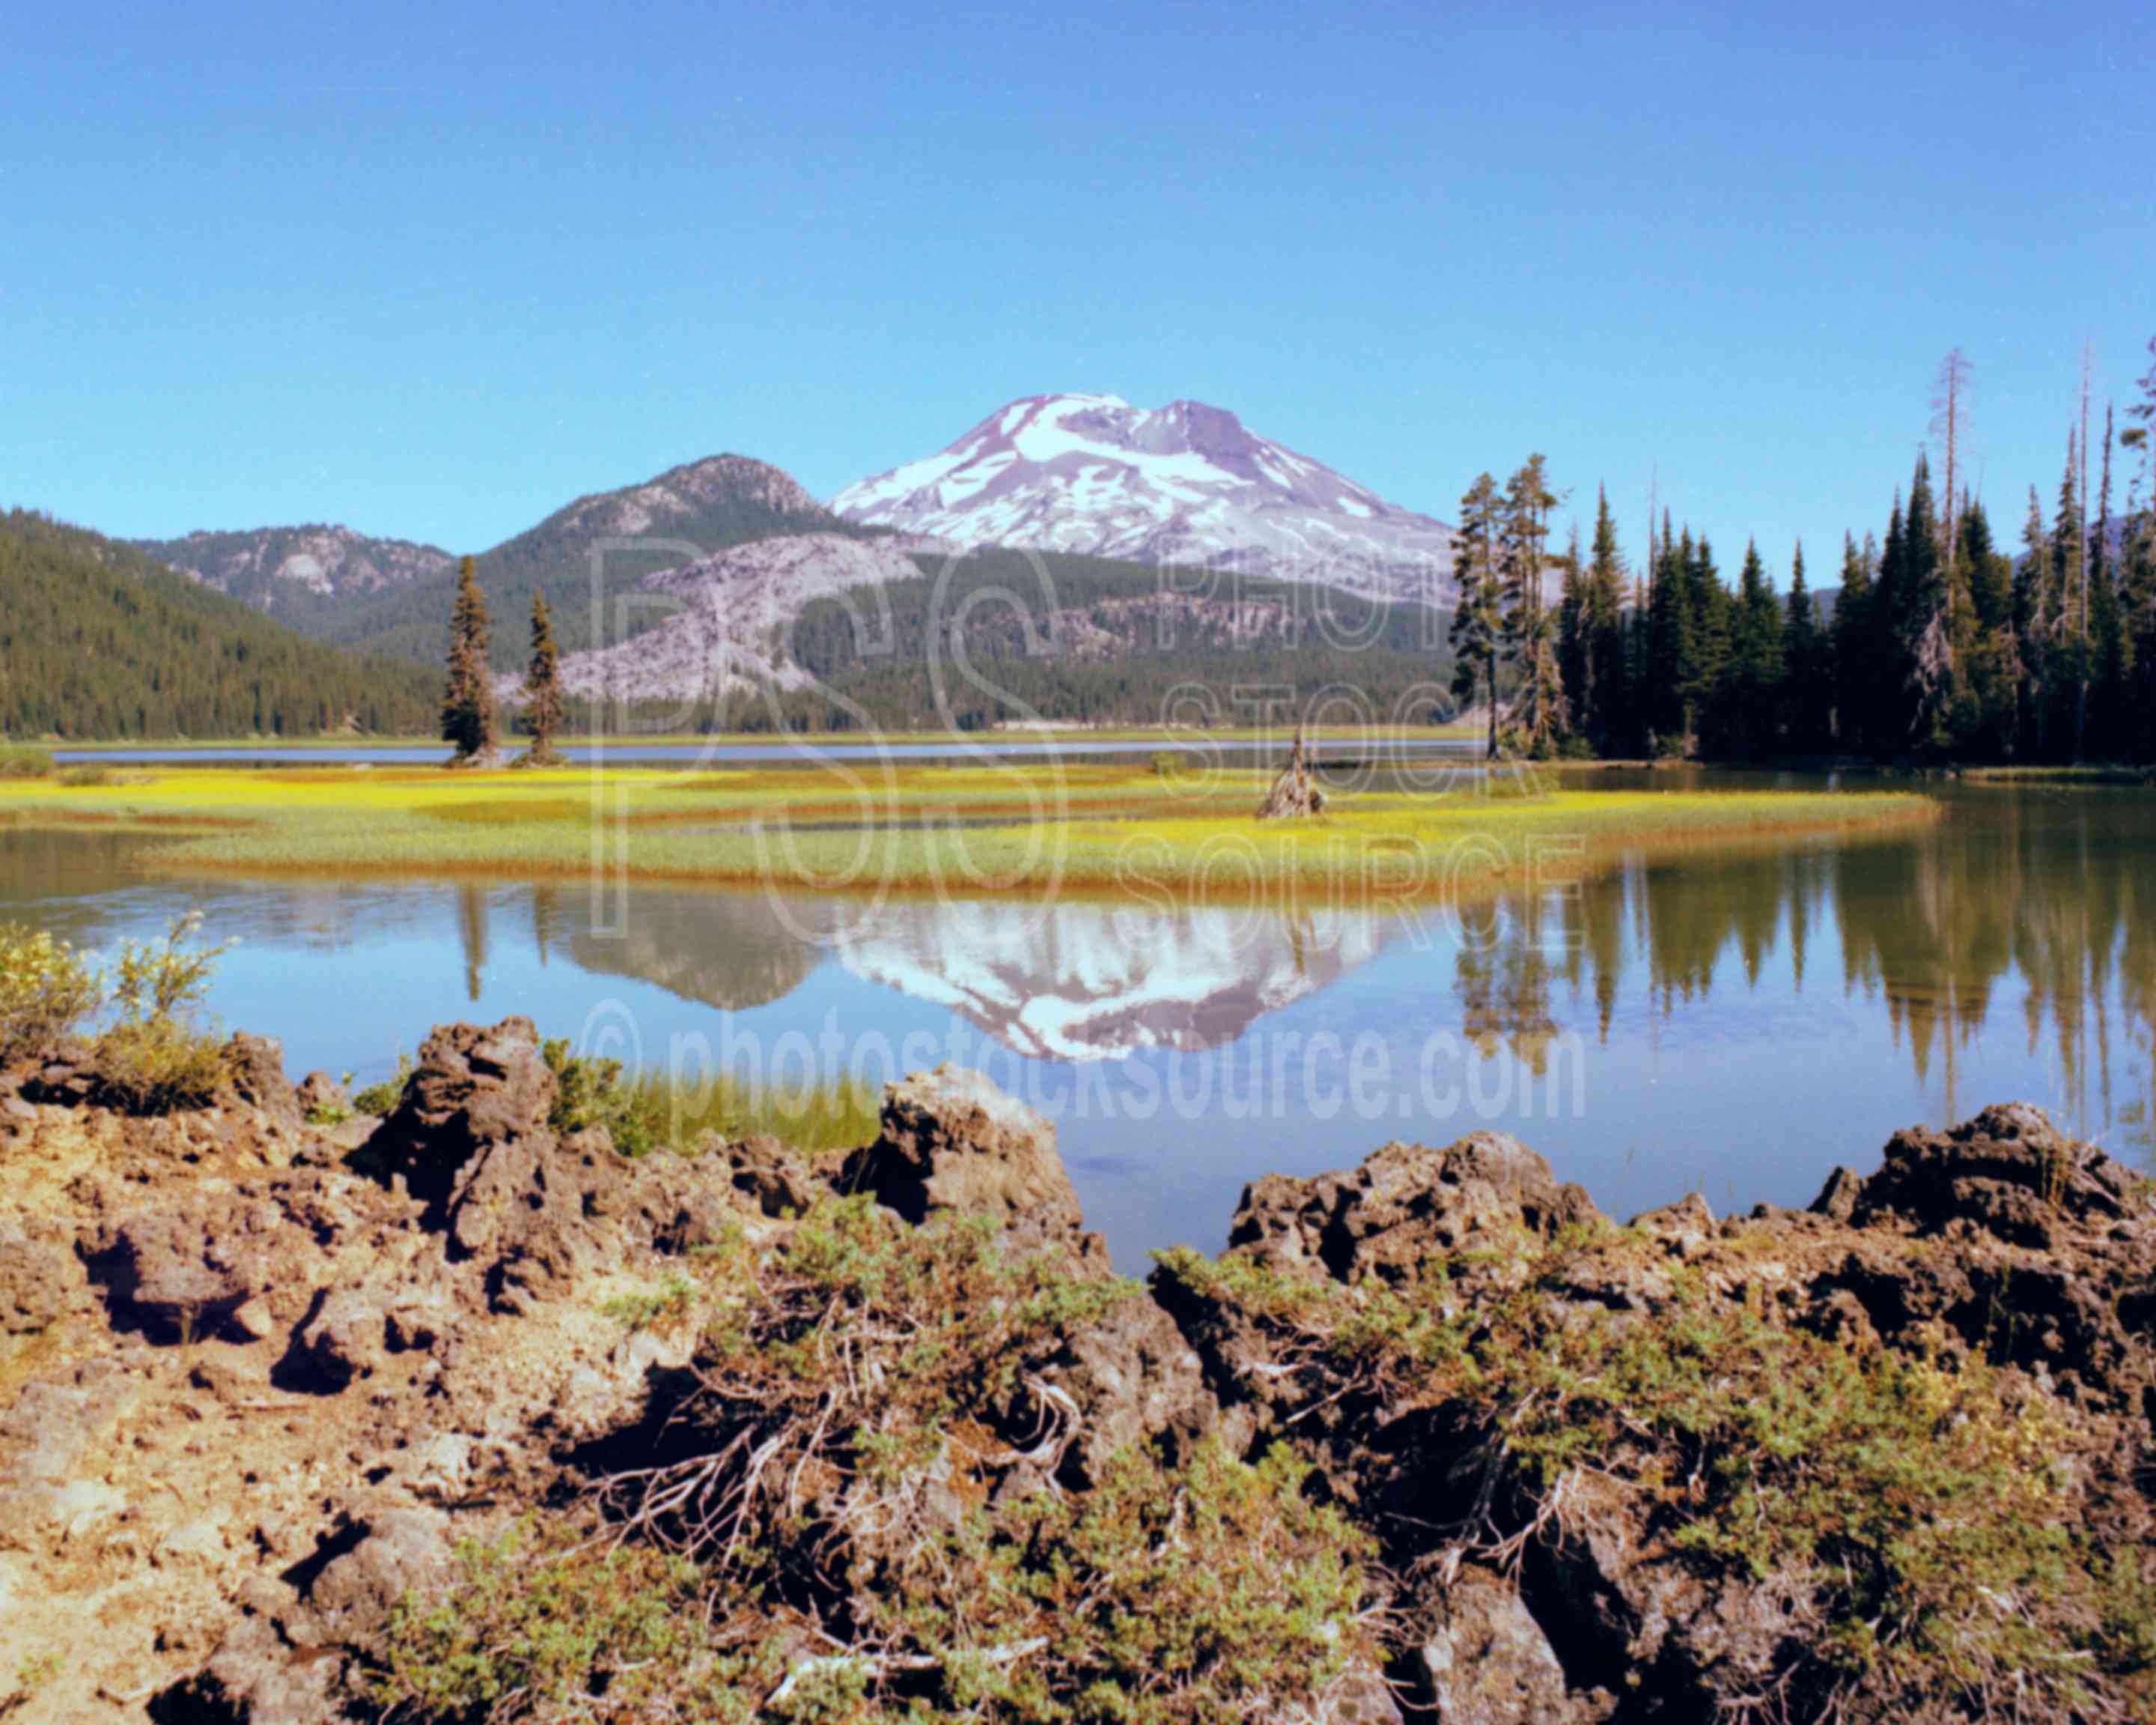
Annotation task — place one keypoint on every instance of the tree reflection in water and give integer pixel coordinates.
(2054, 890)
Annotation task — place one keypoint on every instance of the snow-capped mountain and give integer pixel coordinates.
(1184, 484)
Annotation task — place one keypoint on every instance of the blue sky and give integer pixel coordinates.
(434, 269)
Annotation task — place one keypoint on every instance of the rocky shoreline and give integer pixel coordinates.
(459, 1413)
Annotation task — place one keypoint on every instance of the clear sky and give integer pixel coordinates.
(434, 269)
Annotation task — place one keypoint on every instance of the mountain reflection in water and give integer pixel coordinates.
(1736, 1023)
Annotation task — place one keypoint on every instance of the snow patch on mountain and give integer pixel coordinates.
(1184, 484)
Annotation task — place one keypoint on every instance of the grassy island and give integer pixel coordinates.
(1156, 830)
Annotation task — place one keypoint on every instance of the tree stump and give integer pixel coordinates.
(1294, 792)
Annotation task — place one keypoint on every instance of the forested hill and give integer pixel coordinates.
(1104, 642)
(98, 641)
(687, 512)
(301, 576)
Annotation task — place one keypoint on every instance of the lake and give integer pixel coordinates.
(1732, 1024)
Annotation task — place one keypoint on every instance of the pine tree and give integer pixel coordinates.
(2137, 609)
(2067, 598)
(1530, 636)
(1887, 720)
(2138, 585)
(2112, 647)
(467, 701)
(1854, 655)
(1989, 723)
(1477, 620)
(1950, 408)
(1757, 663)
(1664, 649)
(2034, 624)
(1708, 608)
(1807, 678)
(1572, 666)
(542, 690)
(1989, 577)
(1605, 704)
(1923, 627)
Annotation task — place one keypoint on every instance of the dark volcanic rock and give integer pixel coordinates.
(952, 1141)
(1134, 1379)
(183, 1268)
(1485, 1661)
(2002, 1237)
(38, 1274)
(775, 1177)
(2009, 1172)
(475, 1091)
(257, 1068)
(1407, 1203)
(423, 1342)
(319, 1091)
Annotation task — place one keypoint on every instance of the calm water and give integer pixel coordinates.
(1735, 1026)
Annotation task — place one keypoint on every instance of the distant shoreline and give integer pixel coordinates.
(1165, 736)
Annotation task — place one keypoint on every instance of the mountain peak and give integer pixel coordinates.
(268, 566)
(690, 491)
(1184, 483)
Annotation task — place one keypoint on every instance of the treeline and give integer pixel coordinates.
(1941, 642)
(98, 640)
(1099, 642)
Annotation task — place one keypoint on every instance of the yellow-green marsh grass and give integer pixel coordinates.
(1111, 829)
(830, 1115)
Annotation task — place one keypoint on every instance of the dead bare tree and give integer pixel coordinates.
(1950, 402)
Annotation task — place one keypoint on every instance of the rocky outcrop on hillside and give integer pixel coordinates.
(1432, 1439)
(267, 565)
(729, 614)
(687, 493)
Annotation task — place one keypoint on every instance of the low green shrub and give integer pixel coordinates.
(1164, 1596)
(166, 978)
(653, 1307)
(154, 1055)
(1914, 1498)
(589, 1091)
(383, 1098)
(47, 989)
(154, 1065)
(535, 1629)
(19, 762)
(949, 1312)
